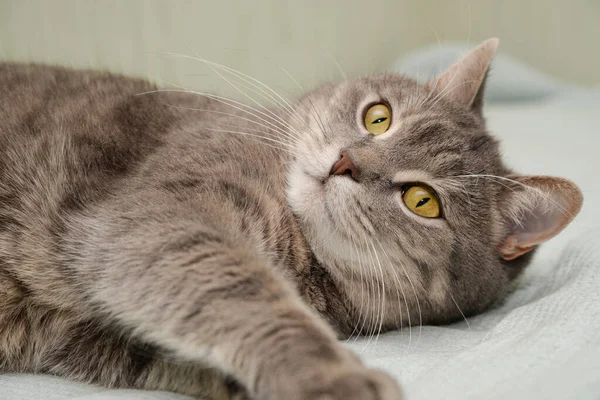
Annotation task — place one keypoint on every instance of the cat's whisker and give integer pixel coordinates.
(274, 122)
(375, 280)
(268, 114)
(352, 279)
(337, 64)
(418, 303)
(222, 100)
(382, 316)
(392, 268)
(360, 270)
(327, 239)
(398, 285)
(213, 66)
(253, 135)
(408, 309)
(234, 116)
(406, 304)
(283, 103)
(363, 297)
(319, 121)
(262, 131)
(460, 311)
(269, 99)
(370, 289)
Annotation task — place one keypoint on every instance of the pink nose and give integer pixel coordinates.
(344, 166)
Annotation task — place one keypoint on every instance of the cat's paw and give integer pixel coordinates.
(347, 384)
(365, 384)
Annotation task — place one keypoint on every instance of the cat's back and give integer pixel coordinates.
(66, 139)
(70, 139)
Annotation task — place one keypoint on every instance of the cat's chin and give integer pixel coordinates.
(305, 193)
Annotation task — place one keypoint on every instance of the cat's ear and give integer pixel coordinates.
(464, 81)
(533, 209)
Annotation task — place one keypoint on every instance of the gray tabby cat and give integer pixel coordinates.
(190, 244)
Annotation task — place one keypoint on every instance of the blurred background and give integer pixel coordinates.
(306, 38)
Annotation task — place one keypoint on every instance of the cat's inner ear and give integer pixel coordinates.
(533, 209)
(464, 81)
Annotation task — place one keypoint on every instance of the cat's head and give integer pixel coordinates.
(404, 197)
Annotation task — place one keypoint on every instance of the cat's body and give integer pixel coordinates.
(158, 240)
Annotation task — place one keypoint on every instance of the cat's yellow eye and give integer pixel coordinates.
(377, 119)
(422, 201)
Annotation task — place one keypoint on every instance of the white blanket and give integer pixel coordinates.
(542, 342)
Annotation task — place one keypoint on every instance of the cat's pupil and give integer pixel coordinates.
(379, 120)
(423, 201)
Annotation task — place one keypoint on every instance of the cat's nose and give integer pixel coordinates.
(344, 166)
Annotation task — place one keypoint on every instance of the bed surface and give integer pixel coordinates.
(543, 340)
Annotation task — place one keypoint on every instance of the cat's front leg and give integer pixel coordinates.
(209, 300)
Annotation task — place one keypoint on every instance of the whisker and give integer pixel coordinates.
(337, 64)
(319, 121)
(370, 294)
(407, 304)
(398, 288)
(448, 89)
(238, 74)
(284, 133)
(374, 315)
(236, 104)
(250, 134)
(460, 311)
(382, 291)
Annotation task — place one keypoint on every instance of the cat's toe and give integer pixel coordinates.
(362, 384)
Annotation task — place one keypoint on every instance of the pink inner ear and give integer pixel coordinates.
(533, 229)
(536, 228)
(542, 219)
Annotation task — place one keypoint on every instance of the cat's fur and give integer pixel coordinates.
(169, 241)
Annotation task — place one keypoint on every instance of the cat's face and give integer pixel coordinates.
(408, 203)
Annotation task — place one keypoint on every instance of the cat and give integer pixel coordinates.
(163, 240)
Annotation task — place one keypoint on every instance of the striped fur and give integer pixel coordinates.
(141, 247)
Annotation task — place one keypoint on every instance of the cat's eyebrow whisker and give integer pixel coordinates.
(447, 90)
(431, 91)
(437, 81)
